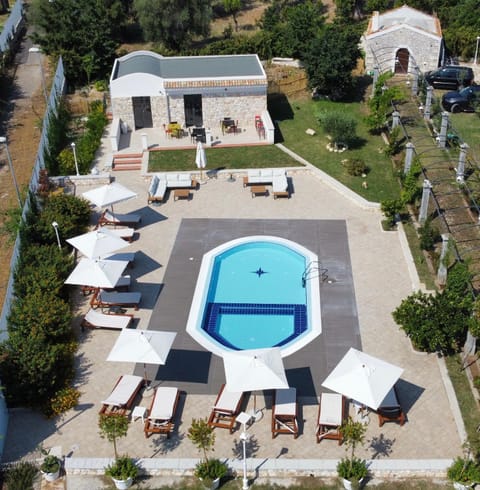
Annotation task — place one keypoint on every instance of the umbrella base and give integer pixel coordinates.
(256, 414)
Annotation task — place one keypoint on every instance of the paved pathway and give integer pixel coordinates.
(381, 280)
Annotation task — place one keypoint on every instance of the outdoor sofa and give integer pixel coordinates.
(169, 180)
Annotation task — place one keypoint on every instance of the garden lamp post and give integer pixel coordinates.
(75, 157)
(34, 49)
(244, 418)
(476, 51)
(55, 226)
(3, 140)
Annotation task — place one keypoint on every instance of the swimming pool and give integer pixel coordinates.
(250, 294)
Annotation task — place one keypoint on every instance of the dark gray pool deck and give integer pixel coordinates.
(197, 371)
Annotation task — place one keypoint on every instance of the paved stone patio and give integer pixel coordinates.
(382, 277)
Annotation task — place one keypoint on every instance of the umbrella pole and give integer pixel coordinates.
(145, 376)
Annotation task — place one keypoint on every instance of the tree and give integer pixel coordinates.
(112, 427)
(173, 22)
(330, 59)
(75, 29)
(202, 435)
(233, 7)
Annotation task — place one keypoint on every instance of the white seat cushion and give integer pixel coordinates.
(125, 388)
(280, 183)
(286, 402)
(164, 403)
(100, 320)
(331, 409)
(228, 400)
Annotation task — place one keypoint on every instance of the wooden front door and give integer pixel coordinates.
(401, 61)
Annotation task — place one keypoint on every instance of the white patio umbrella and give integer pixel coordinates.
(98, 243)
(254, 369)
(109, 194)
(97, 273)
(364, 378)
(142, 346)
(200, 158)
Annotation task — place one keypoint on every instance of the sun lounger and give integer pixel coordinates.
(124, 256)
(125, 233)
(162, 411)
(122, 396)
(115, 219)
(96, 319)
(226, 408)
(331, 414)
(104, 299)
(122, 285)
(390, 409)
(280, 186)
(285, 412)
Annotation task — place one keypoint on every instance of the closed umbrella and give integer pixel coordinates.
(97, 273)
(200, 158)
(364, 378)
(109, 194)
(142, 346)
(254, 369)
(98, 243)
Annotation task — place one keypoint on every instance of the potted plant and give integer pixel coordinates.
(50, 467)
(122, 471)
(464, 473)
(352, 470)
(111, 428)
(209, 471)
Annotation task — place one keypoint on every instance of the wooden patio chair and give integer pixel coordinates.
(122, 396)
(227, 407)
(162, 410)
(331, 414)
(390, 409)
(285, 412)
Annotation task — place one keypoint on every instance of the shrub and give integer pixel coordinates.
(356, 167)
(352, 469)
(50, 464)
(390, 208)
(394, 142)
(476, 382)
(340, 125)
(57, 138)
(101, 85)
(122, 468)
(64, 400)
(464, 470)
(429, 235)
(211, 469)
(21, 476)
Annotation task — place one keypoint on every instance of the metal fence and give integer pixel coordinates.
(56, 92)
(12, 26)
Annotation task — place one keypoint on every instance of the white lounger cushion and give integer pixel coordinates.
(280, 183)
(120, 395)
(100, 320)
(120, 298)
(117, 218)
(331, 409)
(286, 401)
(228, 400)
(164, 403)
(122, 232)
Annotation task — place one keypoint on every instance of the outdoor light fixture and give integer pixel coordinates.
(75, 157)
(3, 139)
(244, 418)
(34, 49)
(476, 51)
(55, 226)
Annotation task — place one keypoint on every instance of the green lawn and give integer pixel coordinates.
(223, 158)
(293, 119)
(467, 125)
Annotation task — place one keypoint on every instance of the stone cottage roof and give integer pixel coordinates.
(404, 16)
(189, 67)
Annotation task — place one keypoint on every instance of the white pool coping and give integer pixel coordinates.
(195, 317)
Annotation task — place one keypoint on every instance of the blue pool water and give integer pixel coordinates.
(255, 298)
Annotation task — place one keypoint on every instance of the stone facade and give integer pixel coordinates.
(122, 107)
(159, 108)
(382, 49)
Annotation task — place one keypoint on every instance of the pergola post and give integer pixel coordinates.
(409, 147)
(427, 187)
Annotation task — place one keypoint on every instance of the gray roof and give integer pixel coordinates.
(408, 16)
(190, 66)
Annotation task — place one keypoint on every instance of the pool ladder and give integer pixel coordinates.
(314, 269)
